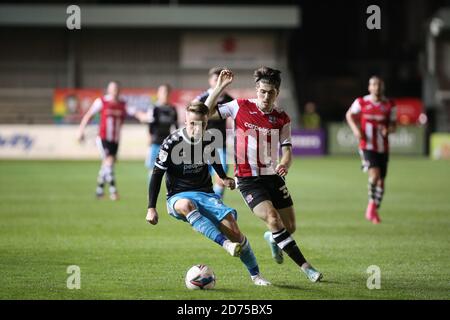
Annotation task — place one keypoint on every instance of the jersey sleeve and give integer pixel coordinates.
(96, 106)
(202, 96)
(163, 159)
(355, 108)
(229, 109)
(285, 134)
(227, 98)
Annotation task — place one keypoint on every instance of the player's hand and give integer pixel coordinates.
(229, 183)
(384, 132)
(152, 216)
(225, 78)
(80, 136)
(358, 134)
(281, 170)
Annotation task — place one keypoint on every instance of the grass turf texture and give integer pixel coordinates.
(49, 219)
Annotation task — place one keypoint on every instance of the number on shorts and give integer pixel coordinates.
(285, 192)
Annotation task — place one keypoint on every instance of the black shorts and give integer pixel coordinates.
(372, 159)
(255, 190)
(110, 148)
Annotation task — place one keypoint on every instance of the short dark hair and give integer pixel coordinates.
(197, 107)
(215, 71)
(268, 75)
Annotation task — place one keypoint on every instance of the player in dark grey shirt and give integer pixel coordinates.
(184, 158)
(162, 119)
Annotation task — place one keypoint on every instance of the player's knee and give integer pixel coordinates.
(184, 206)
(273, 218)
(374, 178)
(109, 161)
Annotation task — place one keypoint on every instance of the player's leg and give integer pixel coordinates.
(282, 202)
(230, 228)
(189, 210)
(380, 189)
(254, 193)
(288, 218)
(374, 180)
(267, 212)
(371, 165)
(99, 192)
(108, 164)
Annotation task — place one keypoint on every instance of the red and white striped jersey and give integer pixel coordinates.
(374, 117)
(112, 116)
(258, 136)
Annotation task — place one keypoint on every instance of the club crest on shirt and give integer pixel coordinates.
(272, 119)
(249, 198)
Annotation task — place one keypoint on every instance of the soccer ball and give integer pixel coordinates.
(200, 276)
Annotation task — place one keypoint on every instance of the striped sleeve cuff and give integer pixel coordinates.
(160, 166)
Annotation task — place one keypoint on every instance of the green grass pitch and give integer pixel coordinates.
(49, 220)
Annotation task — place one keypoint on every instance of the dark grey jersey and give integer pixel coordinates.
(185, 162)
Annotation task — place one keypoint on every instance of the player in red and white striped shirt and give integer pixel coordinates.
(113, 111)
(260, 130)
(371, 119)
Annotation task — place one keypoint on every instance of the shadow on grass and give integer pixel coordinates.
(290, 287)
(223, 290)
(329, 282)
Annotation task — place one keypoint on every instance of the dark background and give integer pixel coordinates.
(333, 54)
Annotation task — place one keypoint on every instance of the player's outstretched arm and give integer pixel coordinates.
(142, 116)
(225, 78)
(352, 124)
(85, 120)
(153, 192)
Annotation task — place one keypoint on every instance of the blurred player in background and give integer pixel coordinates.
(372, 118)
(190, 196)
(310, 117)
(219, 124)
(113, 111)
(261, 129)
(162, 119)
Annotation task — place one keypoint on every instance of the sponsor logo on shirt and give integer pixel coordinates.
(265, 131)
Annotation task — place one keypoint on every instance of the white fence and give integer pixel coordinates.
(60, 142)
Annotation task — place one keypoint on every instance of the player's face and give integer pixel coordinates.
(113, 89)
(213, 80)
(196, 124)
(163, 94)
(266, 94)
(376, 87)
